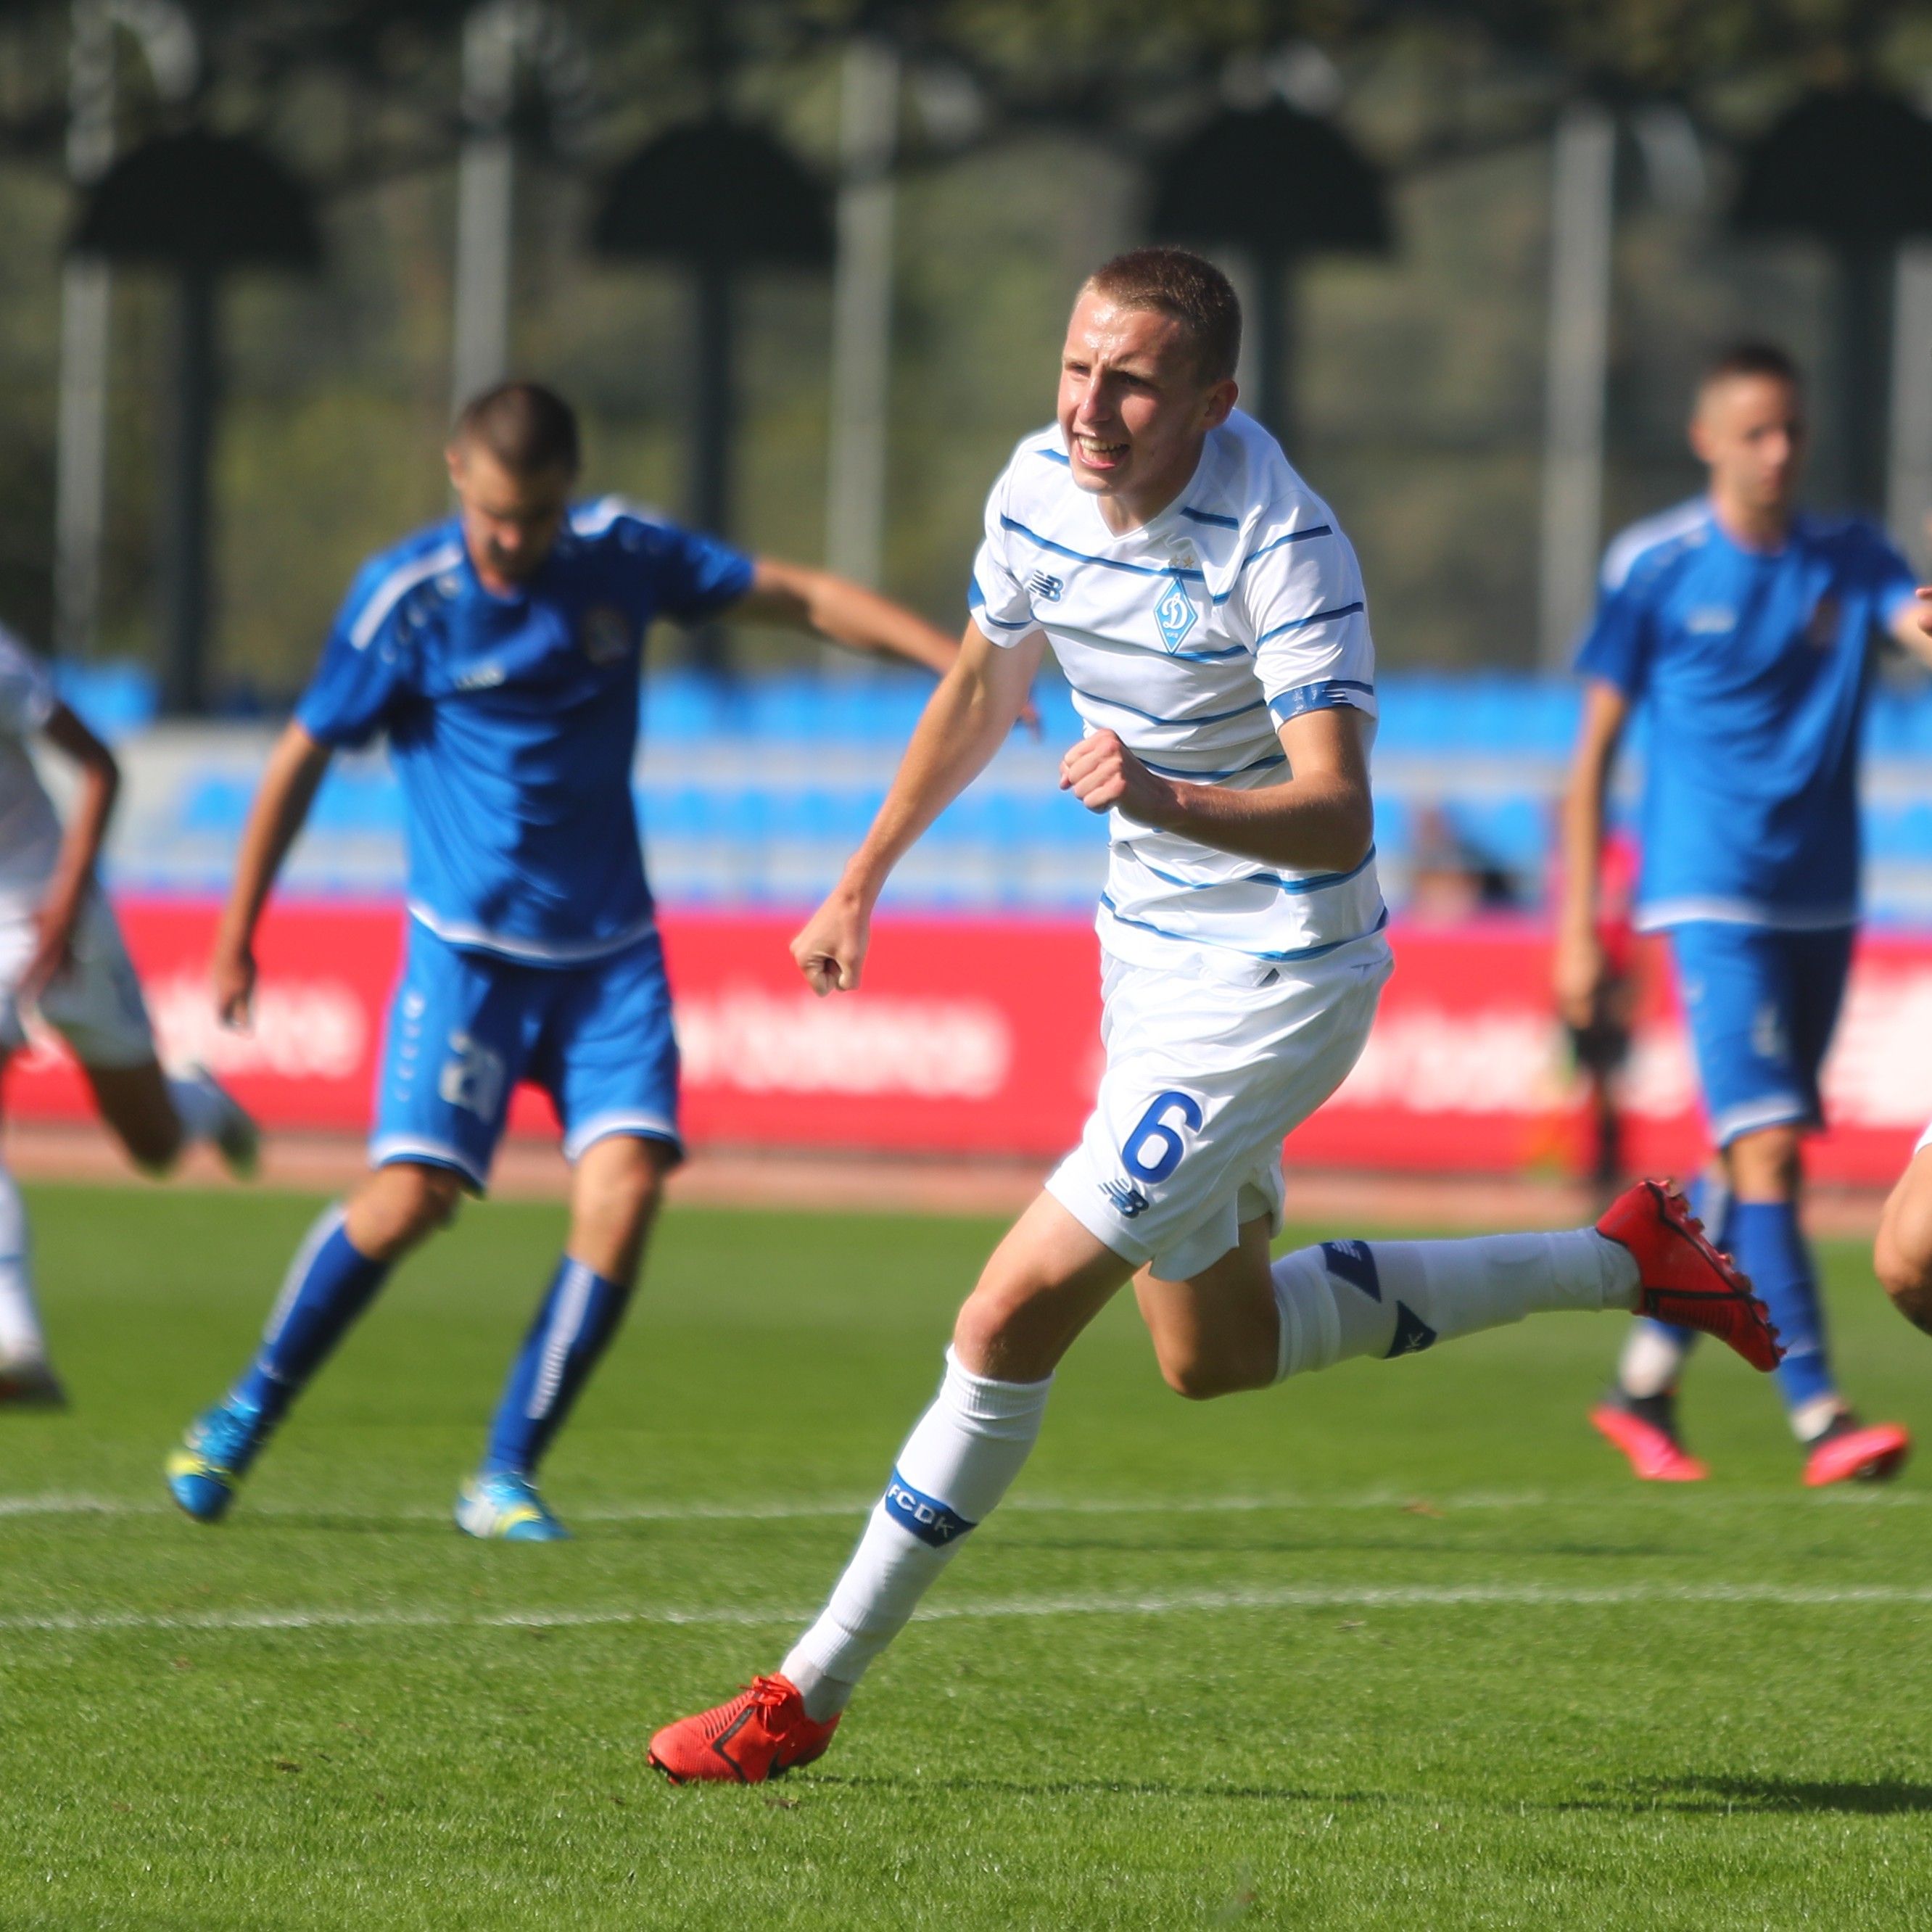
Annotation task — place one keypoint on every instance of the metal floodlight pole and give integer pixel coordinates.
(1865, 287)
(1273, 313)
(186, 518)
(1909, 482)
(1582, 221)
(862, 310)
(80, 478)
(484, 192)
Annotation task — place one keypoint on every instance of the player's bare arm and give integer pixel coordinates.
(1911, 628)
(1321, 819)
(1577, 969)
(844, 613)
(80, 845)
(294, 770)
(965, 722)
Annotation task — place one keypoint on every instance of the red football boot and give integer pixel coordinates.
(1686, 1282)
(1645, 1430)
(762, 1733)
(1850, 1451)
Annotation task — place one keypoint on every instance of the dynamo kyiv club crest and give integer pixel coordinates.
(1174, 614)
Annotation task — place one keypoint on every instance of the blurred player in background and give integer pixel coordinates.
(1599, 1032)
(1209, 615)
(1747, 630)
(500, 651)
(61, 954)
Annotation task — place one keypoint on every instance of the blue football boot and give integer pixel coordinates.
(213, 1456)
(496, 1503)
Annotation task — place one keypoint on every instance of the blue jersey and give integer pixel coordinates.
(512, 721)
(1752, 668)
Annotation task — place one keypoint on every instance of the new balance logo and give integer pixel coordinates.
(1049, 589)
(1128, 1200)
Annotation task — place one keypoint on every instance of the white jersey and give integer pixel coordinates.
(30, 832)
(1240, 606)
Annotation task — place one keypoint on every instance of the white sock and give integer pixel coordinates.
(21, 1340)
(1347, 1298)
(1653, 1358)
(1810, 1420)
(197, 1106)
(959, 1460)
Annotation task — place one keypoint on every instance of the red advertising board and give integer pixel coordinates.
(981, 1035)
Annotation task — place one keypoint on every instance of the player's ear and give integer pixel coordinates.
(452, 457)
(1221, 399)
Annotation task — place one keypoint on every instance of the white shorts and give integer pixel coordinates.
(1204, 1081)
(95, 1003)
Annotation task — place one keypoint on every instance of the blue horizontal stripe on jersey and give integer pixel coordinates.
(1315, 882)
(1155, 718)
(1331, 694)
(1104, 562)
(1209, 778)
(1315, 617)
(1249, 951)
(1209, 517)
(1211, 657)
(976, 602)
(1059, 456)
(1293, 536)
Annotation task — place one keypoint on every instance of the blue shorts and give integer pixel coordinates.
(1761, 1006)
(465, 1027)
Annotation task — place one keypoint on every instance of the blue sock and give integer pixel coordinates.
(1772, 1251)
(572, 1329)
(328, 1284)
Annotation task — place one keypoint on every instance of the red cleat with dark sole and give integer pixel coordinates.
(1686, 1282)
(1655, 1454)
(761, 1734)
(1857, 1453)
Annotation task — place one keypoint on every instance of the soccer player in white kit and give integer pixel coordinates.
(61, 954)
(1209, 615)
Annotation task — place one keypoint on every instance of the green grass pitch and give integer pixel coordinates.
(1397, 1646)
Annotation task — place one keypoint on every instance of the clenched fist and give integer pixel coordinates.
(1101, 773)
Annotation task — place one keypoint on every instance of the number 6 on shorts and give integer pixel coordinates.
(1154, 1132)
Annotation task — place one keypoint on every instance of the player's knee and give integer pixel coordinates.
(1904, 1270)
(621, 1189)
(1768, 1165)
(400, 1205)
(1196, 1375)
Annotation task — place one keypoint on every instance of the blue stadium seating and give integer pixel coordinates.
(754, 792)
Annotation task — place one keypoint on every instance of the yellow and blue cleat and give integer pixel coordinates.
(214, 1456)
(499, 1505)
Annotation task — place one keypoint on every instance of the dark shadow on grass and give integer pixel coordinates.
(1885, 1797)
(1096, 1787)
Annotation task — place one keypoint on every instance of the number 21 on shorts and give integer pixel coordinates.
(1153, 1149)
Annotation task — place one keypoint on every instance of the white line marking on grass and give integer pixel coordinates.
(806, 1510)
(1180, 1603)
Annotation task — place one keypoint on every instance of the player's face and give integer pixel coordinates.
(509, 521)
(1133, 407)
(1750, 429)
